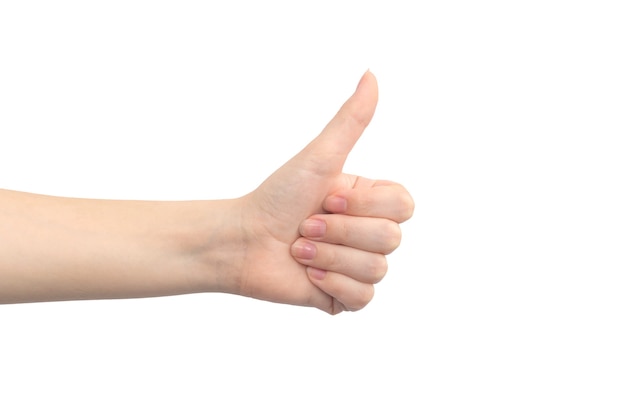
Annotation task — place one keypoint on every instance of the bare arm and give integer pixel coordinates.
(54, 248)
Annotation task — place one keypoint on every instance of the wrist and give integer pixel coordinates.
(212, 236)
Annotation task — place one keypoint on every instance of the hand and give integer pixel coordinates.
(316, 236)
(345, 251)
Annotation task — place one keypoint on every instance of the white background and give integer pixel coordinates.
(505, 120)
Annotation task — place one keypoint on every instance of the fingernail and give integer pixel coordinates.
(336, 204)
(313, 228)
(304, 250)
(316, 273)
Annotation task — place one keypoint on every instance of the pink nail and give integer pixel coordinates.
(314, 228)
(304, 250)
(336, 204)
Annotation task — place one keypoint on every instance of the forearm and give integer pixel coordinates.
(55, 248)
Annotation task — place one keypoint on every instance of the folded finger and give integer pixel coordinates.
(372, 234)
(360, 265)
(348, 294)
(388, 200)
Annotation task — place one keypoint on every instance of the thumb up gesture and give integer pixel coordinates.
(317, 236)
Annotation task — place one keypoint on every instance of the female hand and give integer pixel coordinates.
(316, 236)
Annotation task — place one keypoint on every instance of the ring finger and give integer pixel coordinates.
(363, 266)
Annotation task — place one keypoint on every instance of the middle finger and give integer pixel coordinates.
(370, 234)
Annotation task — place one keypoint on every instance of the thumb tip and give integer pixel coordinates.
(342, 132)
(368, 84)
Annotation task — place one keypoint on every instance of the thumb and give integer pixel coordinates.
(328, 152)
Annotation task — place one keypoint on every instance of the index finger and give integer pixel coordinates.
(386, 199)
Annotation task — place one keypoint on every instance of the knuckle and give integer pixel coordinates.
(334, 260)
(378, 268)
(362, 298)
(406, 206)
(392, 236)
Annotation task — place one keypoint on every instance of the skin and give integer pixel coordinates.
(309, 235)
